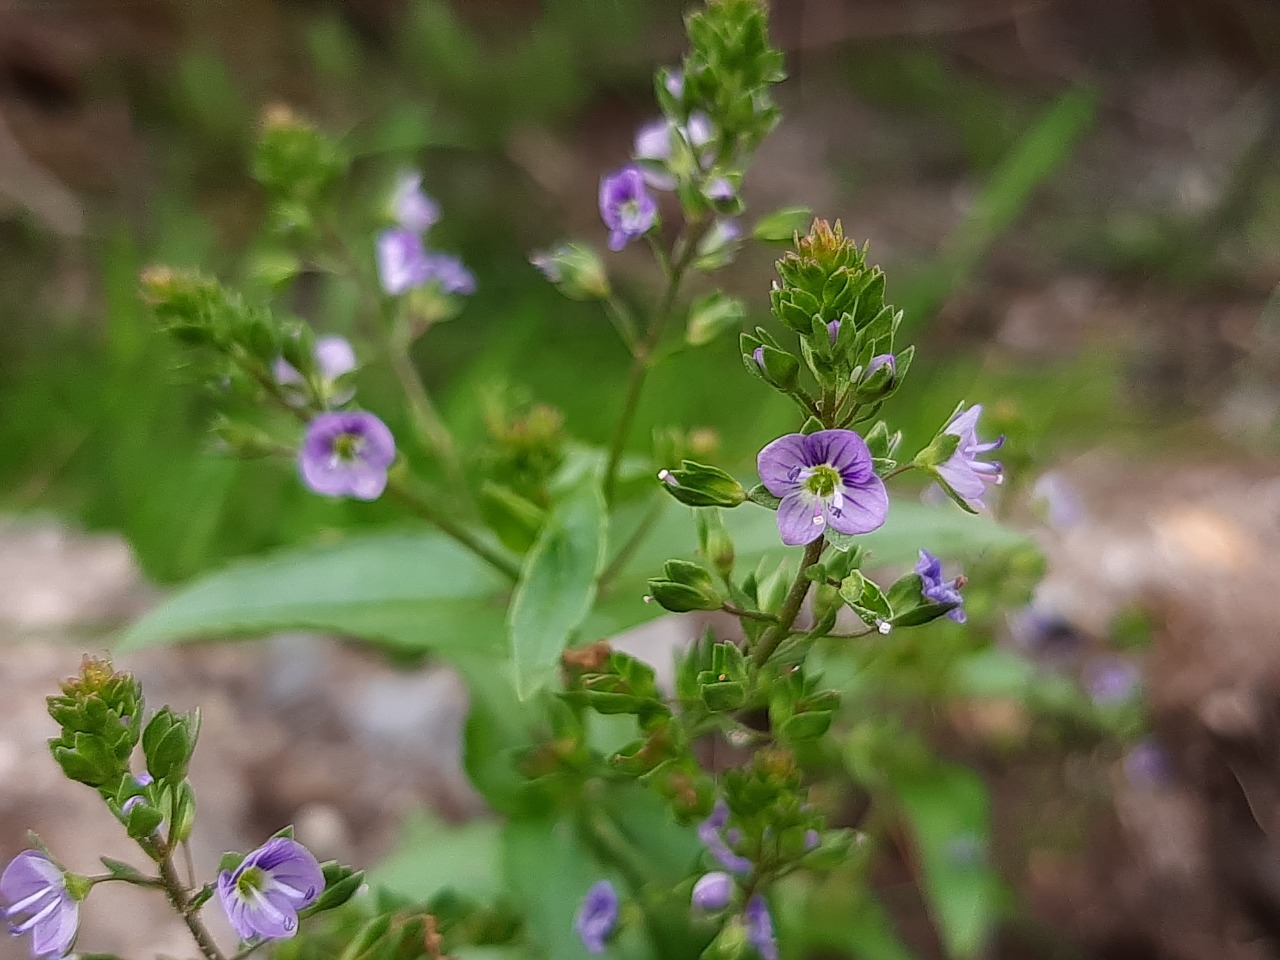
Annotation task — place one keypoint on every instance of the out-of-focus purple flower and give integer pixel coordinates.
(1042, 632)
(626, 207)
(713, 891)
(411, 208)
(1062, 505)
(812, 840)
(699, 130)
(402, 261)
(825, 479)
(1147, 765)
(937, 590)
(140, 781)
(597, 917)
(36, 900)
(346, 454)
(1110, 680)
(711, 833)
(675, 83)
(263, 895)
(653, 141)
(963, 471)
(448, 271)
(335, 357)
(760, 928)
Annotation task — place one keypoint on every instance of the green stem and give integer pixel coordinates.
(426, 418)
(182, 904)
(399, 490)
(632, 544)
(251, 948)
(748, 614)
(790, 606)
(621, 319)
(898, 470)
(642, 356)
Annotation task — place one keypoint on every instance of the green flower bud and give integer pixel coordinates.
(686, 587)
(712, 315)
(168, 742)
(575, 269)
(698, 485)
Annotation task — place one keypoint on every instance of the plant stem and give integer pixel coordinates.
(399, 489)
(181, 903)
(748, 614)
(642, 355)
(790, 606)
(633, 542)
(426, 418)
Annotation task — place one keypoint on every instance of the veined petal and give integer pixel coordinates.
(865, 508)
(796, 515)
(843, 450)
(779, 462)
(54, 936)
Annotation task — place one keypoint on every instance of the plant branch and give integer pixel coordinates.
(790, 606)
(426, 418)
(748, 614)
(632, 544)
(182, 904)
(400, 491)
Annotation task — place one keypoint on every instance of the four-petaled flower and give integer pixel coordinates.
(937, 590)
(626, 207)
(263, 895)
(824, 479)
(760, 928)
(410, 207)
(37, 900)
(963, 471)
(597, 916)
(347, 455)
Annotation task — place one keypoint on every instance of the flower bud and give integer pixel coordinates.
(168, 742)
(698, 485)
(713, 891)
(575, 270)
(878, 380)
(777, 367)
(686, 586)
(99, 712)
(712, 315)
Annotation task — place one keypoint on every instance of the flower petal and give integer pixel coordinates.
(27, 874)
(864, 509)
(55, 935)
(842, 449)
(795, 520)
(778, 461)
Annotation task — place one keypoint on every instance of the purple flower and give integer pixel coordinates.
(833, 330)
(264, 894)
(713, 891)
(1110, 680)
(937, 590)
(812, 840)
(626, 207)
(411, 208)
(1147, 765)
(963, 471)
(653, 141)
(402, 261)
(347, 455)
(33, 885)
(711, 833)
(825, 479)
(597, 916)
(335, 358)
(675, 83)
(720, 190)
(449, 272)
(1042, 632)
(760, 928)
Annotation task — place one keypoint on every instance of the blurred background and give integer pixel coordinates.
(1077, 204)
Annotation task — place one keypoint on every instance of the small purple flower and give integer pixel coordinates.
(264, 894)
(1110, 680)
(347, 455)
(760, 928)
(758, 356)
(448, 271)
(402, 261)
(833, 330)
(653, 141)
(713, 891)
(34, 886)
(825, 479)
(812, 840)
(335, 358)
(597, 917)
(675, 83)
(963, 471)
(937, 590)
(720, 190)
(411, 208)
(711, 833)
(1147, 765)
(626, 207)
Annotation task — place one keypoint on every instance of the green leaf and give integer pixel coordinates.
(948, 810)
(410, 589)
(557, 586)
(434, 856)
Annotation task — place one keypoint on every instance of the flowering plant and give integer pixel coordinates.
(679, 816)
